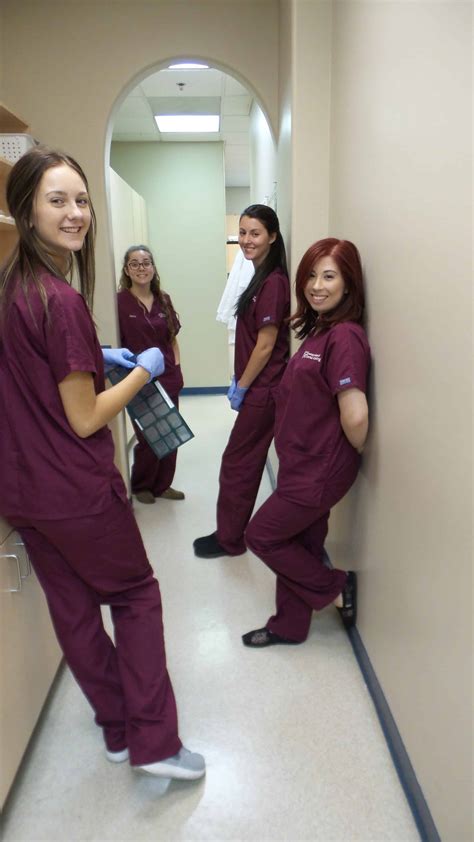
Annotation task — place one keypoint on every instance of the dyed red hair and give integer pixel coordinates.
(351, 308)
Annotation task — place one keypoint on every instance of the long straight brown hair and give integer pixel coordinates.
(30, 254)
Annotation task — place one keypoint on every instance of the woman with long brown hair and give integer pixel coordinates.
(147, 318)
(60, 488)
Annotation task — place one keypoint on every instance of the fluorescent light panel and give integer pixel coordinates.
(188, 66)
(187, 122)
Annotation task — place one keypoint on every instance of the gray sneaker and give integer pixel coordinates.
(186, 766)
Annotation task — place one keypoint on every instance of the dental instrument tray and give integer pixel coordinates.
(155, 414)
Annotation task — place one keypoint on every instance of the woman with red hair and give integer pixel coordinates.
(320, 430)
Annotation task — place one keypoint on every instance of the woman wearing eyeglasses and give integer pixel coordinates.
(147, 319)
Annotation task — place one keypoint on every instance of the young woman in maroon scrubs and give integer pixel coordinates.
(320, 429)
(147, 318)
(60, 488)
(261, 354)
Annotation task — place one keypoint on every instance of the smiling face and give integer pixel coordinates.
(325, 287)
(61, 213)
(140, 269)
(254, 240)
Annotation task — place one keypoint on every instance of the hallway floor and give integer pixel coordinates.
(293, 746)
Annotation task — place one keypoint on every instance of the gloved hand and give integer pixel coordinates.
(237, 398)
(118, 356)
(153, 361)
(232, 389)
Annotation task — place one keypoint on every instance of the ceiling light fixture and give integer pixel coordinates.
(187, 122)
(188, 65)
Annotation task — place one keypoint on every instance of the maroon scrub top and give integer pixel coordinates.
(140, 329)
(309, 439)
(49, 472)
(270, 306)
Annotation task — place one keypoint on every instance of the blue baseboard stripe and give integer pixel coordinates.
(406, 773)
(205, 390)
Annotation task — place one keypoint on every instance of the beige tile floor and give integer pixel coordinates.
(293, 746)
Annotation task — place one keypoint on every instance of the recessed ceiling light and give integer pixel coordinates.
(188, 66)
(187, 122)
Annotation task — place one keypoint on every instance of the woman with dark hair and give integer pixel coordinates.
(60, 488)
(261, 354)
(147, 318)
(320, 430)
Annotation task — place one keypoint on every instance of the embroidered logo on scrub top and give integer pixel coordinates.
(309, 356)
(345, 381)
(131, 316)
(266, 318)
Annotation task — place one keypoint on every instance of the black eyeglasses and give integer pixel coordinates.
(135, 264)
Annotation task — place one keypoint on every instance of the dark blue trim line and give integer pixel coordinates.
(401, 761)
(205, 390)
(406, 773)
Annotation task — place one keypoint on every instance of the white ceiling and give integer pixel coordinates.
(191, 91)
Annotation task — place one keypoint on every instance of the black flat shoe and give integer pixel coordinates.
(264, 637)
(348, 611)
(208, 547)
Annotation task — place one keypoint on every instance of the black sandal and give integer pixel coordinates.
(264, 637)
(348, 611)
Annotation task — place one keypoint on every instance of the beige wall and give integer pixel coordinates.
(400, 163)
(383, 158)
(284, 159)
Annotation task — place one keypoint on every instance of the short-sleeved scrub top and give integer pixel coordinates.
(270, 306)
(140, 329)
(48, 471)
(310, 442)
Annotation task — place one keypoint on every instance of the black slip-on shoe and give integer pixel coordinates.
(208, 547)
(264, 637)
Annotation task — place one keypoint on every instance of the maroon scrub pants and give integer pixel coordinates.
(241, 471)
(148, 472)
(83, 563)
(289, 538)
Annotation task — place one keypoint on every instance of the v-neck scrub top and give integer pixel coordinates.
(271, 306)
(140, 329)
(310, 442)
(48, 471)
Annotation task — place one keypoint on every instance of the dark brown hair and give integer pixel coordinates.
(350, 308)
(30, 254)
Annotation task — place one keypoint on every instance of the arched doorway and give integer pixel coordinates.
(189, 187)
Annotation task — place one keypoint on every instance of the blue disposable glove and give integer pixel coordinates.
(153, 361)
(118, 356)
(237, 398)
(232, 389)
